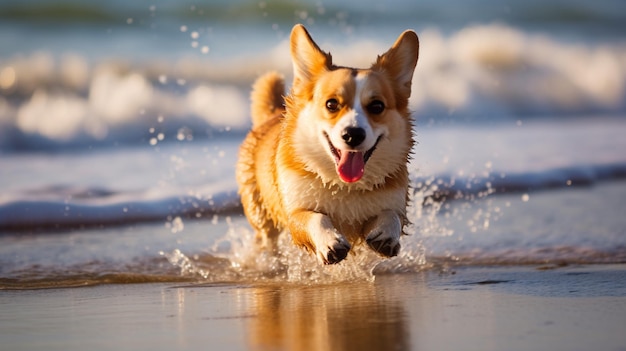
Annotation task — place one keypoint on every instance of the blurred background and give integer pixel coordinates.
(78, 73)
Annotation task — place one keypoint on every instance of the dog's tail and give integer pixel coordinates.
(267, 98)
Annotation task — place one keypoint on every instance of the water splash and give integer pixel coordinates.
(237, 257)
(187, 267)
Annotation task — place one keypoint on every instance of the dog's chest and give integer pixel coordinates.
(343, 204)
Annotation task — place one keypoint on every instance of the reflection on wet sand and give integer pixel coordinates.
(356, 316)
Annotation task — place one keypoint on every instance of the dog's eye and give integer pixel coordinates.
(375, 107)
(332, 105)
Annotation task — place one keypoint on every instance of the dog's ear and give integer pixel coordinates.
(399, 62)
(308, 59)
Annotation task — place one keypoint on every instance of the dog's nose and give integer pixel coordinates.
(353, 136)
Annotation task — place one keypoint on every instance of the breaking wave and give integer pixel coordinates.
(51, 99)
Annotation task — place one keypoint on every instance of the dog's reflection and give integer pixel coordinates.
(354, 316)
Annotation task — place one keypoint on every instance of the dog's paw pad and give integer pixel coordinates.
(384, 245)
(336, 253)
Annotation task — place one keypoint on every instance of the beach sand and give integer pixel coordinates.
(462, 308)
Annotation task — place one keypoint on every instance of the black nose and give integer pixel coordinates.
(353, 136)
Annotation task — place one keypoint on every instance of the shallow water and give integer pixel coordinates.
(577, 225)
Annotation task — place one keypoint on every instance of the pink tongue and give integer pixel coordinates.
(351, 166)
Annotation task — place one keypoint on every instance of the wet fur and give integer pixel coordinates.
(286, 173)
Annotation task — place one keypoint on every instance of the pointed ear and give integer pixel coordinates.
(308, 59)
(399, 62)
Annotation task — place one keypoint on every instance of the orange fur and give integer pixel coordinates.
(289, 163)
(267, 98)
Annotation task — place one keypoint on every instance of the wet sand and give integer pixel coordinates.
(465, 308)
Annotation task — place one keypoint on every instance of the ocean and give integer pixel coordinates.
(120, 125)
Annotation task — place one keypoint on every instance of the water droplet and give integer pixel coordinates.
(177, 225)
(184, 133)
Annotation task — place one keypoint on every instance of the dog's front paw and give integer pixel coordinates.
(383, 244)
(384, 234)
(319, 236)
(334, 251)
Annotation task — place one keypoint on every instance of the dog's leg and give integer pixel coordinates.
(383, 233)
(316, 232)
(267, 239)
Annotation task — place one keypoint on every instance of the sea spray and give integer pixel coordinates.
(430, 214)
(237, 256)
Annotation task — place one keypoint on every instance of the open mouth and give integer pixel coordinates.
(350, 164)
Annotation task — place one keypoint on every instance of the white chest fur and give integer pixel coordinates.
(342, 203)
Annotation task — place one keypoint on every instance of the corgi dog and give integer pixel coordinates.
(328, 161)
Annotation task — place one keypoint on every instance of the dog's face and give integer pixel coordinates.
(352, 124)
